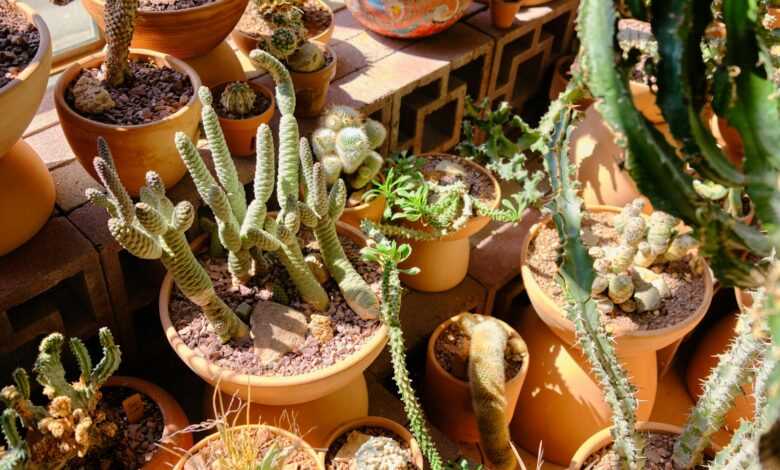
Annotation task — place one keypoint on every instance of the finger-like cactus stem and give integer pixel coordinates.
(370, 168)
(119, 17)
(17, 455)
(285, 93)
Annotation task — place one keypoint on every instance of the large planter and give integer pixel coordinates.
(241, 134)
(311, 88)
(296, 441)
(26, 195)
(136, 149)
(277, 391)
(174, 419)
(20, 98)
(383, 423)
(444, 262)
(407, 18)
(448, 399)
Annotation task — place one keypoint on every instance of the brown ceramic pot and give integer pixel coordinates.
(448, 399)
(174, 419)
(444, 262)
(136, 148)
(378, 422)
(187, 33)
(311, 88)
(371, 210)
(20, 98)
(502, 12)
(241, 134)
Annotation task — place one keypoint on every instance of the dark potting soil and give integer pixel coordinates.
(477, 182)
(452, 353)
(19, 42)
(261, 105)
(262, 440)
(316, 19)
(171, 5)
(658, 452)
(134, 444)
(149, 94)
(686, 286)
(334, 448)
(350, 332)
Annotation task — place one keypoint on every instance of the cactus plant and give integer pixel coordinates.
(238, 98)
(71, 426)
(381, 453)
(287, 41)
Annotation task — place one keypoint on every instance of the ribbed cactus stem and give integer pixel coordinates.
(119, 17)
(83, 359)
(17, 454)
(285, 93)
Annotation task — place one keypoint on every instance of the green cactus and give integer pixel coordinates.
(155, 229)
(381, 453)
(238, 98)
(17, 454)
(308, 58)
(288, 39)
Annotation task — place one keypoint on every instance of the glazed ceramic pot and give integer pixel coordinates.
(295, 441)
(136, 148)
(407, 18)
(241, 134)
(276, 391)
(502, 12)
(26, 195)
(383, 423)
(448, 399)
(174, 419)
(444, 262)
(371, 210)
(603, 438)
(23, 94)
(311, 88)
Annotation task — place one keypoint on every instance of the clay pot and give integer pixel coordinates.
(246, 43)
(296, 441)
(23, 95)
(187, 33)
(502, 12)
(774, 12)
(311, 88)
(378, 422)
(371, 210)
(735, 151)
(560, 78)
(136, 148)
(560, 388)
(448, 399)
(218, 66)
(26, 195)
(644, 100)
(407, 18)
(603, 438)
(444, 262)
(241, 134)
(174, 419)
(275, 391)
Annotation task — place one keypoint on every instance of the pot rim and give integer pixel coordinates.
(281, 432)
(257, 87)
(316, 37)
(380, 421)
(44, 45)
(171, 13)
(431, 351)
(198, 361)
(97, 59)
(528, 276)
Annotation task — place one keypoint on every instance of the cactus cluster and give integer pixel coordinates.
(381, 453)
(238, 98)
(346, 143)
(288, 39)
(71, 425)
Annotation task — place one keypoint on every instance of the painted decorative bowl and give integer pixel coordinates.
(407, 18)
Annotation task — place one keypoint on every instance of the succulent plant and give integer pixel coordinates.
(71, 425)
(308, 58)
(288, 39)
(90, 96)
(381, 453)
(238, 98)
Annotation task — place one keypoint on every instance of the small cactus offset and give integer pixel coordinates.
(288, 39)
(238, 98)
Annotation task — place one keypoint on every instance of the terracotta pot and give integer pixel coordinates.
(136, 148)
(311, 88)
(735, 151)
(502, 12)
(218, 66)
(295, 440)
(407, 18)
(644, 100)
(187, 33)
(174, 419)
(378, 422)
(448, 399)
(627, 342)
(444, 262)
(23, 95)
(273, 390)
(26, 196)
(560, 78)
(599, 163)
(560, 388)
(246, 43)
(774, 12)
(603, 438)
(371, 210)
(241, 134)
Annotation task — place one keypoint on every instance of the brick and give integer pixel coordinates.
(52, 146)
(363, 50)
(347, 26)
(71, 180)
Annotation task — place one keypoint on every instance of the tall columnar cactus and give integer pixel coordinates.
(119, 17)
(71, 425)
(155, 229)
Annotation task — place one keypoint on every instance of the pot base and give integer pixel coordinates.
(26, 196)
(443, 264)
(315, 420)
(218, 66)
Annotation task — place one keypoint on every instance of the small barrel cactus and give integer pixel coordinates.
(287, 41)
(238, 98)
(346, 143)
(308, 58)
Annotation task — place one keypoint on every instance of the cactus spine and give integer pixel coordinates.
(155, 229)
